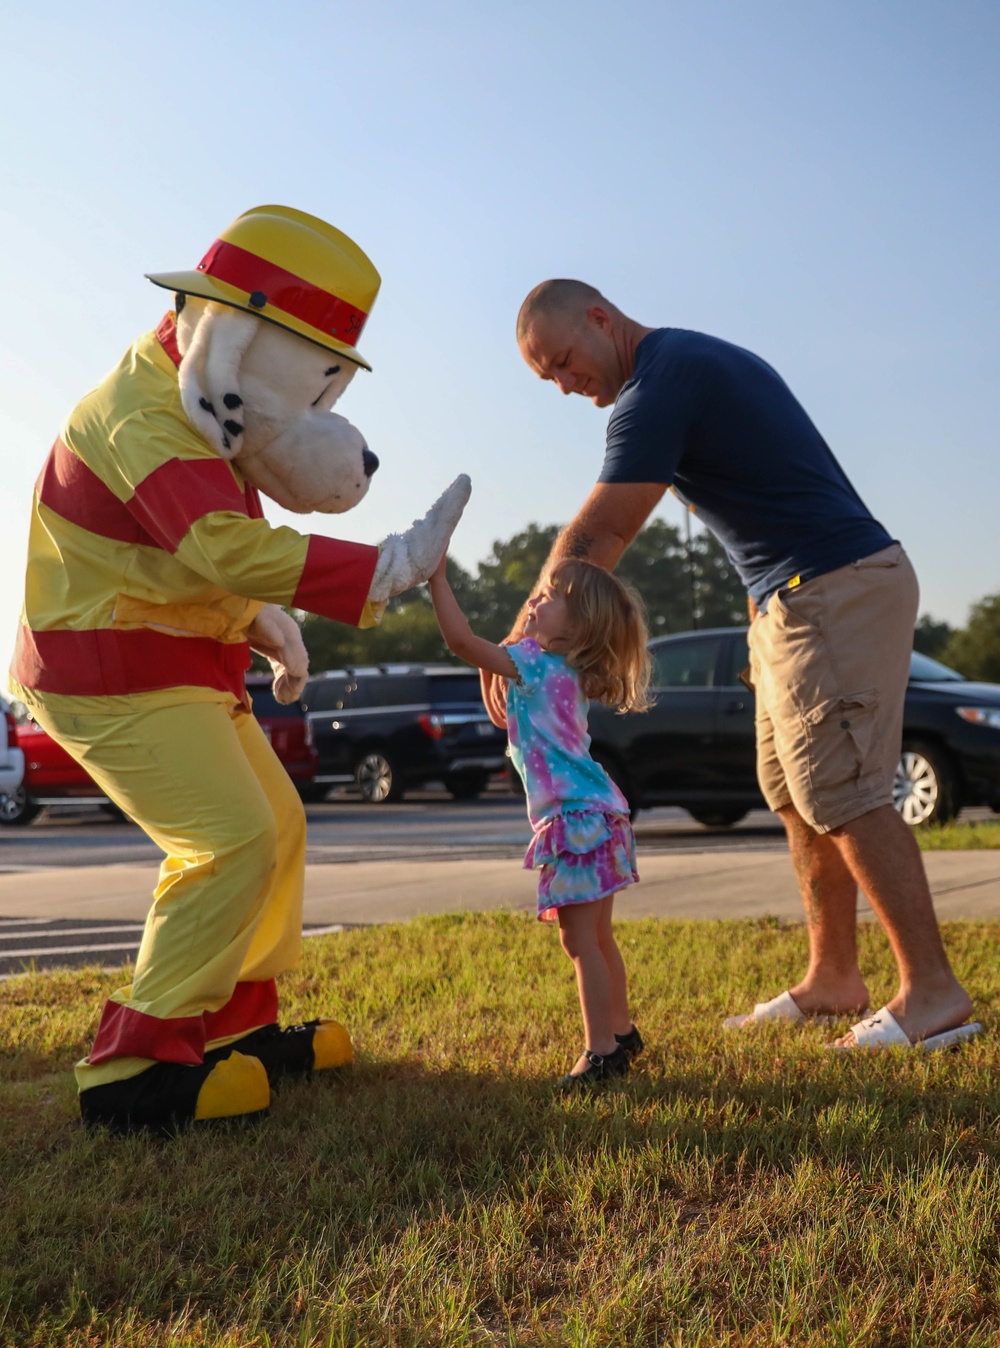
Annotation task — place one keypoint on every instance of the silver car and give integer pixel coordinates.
(11, 757)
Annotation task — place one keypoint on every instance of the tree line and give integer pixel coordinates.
(686, 581)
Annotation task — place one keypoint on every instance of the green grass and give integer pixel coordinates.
(749, 1189)
(958, 837)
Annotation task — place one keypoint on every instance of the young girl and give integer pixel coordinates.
(584, 638)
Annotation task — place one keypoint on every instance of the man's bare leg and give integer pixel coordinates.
(883, 857)
(833, 983)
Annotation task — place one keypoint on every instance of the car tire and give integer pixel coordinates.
(16, 807)
(377, 778)
(720, 817)
(925, 789)
(466, 785)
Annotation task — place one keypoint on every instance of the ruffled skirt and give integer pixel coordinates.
(583, 855)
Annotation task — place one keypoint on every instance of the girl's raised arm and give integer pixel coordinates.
(459, 636)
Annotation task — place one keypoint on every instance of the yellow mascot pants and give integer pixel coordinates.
(201, 779)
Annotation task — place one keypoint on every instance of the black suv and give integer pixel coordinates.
(695, 748)
(390, 727)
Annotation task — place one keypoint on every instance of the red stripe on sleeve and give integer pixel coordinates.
(162, 508)
(75, 493)
(336, 579)
(172, 497)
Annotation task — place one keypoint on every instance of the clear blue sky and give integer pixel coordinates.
(815, 180)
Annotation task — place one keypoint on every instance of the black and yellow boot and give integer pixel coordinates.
(168, 1097)
(297, 1051)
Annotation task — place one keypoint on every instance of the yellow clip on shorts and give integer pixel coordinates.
(201, 779)
(830, 660)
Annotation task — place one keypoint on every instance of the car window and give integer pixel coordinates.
(395, 690)
(735, 658)
(455, 688)
(926, 670)
(327, 695)
(685, 664)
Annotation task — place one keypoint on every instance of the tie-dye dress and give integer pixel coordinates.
(583, 840)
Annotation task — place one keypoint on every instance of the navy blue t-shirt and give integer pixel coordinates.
(722, 428)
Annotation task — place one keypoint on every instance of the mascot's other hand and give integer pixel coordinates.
(409, 559)
(277, 636)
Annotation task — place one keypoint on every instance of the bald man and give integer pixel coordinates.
(833, 603)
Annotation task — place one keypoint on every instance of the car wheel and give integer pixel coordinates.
(720, 817)
(377, 778)
(924, 790)
(17, 808)
(466, 785)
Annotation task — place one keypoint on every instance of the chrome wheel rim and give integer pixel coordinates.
(916, 790)
(375, 778)
(12, 805)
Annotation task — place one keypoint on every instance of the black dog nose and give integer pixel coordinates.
(369, 460)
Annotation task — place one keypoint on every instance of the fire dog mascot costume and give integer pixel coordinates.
(151, 575)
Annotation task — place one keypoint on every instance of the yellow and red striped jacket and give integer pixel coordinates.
(148, 555)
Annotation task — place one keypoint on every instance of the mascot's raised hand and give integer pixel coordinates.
(409, 559)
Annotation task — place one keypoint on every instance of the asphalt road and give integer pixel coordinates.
(426, 824)
(430, 825)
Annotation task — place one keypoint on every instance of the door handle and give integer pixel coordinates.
(736, 705)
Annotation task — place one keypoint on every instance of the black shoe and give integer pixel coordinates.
(631, 1042)
(602, 1068)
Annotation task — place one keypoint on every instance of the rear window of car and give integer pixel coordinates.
(685, 664)
(266, 704)
(454, 688)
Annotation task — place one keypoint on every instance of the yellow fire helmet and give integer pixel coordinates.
(291, 269)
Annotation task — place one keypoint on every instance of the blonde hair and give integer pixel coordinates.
(607, 640)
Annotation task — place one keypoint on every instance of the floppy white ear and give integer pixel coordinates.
(209, 376)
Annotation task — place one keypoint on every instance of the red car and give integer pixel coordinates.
(51, 777)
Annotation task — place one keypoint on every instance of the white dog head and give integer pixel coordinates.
(262, 395)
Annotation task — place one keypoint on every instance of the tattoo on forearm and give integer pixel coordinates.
(579, 545)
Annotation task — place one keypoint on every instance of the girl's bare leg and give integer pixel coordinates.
(621, 1020)
(579, 932)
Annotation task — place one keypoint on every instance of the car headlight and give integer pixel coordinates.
(988, 716)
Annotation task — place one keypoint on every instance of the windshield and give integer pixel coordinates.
(925, 670)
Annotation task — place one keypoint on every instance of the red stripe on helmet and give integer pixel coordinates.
(284, 290)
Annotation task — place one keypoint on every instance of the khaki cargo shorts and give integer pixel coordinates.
(830, 660)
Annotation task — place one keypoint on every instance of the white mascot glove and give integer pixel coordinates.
(409, 559)
(277, 637)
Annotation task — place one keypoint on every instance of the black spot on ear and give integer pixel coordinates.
(180, 299)
(206, 406)
(233, 400)
(225, 442)
(233, 427)
(334, 369)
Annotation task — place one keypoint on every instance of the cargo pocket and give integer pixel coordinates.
(842, 733)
